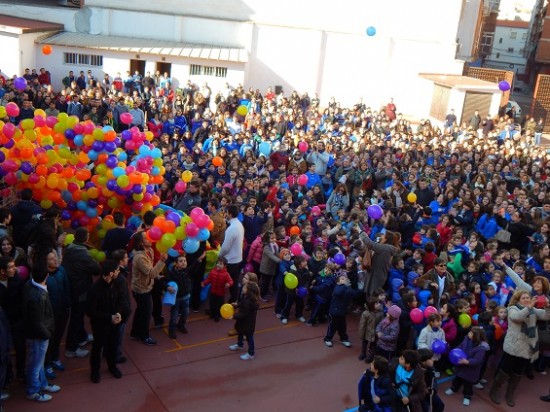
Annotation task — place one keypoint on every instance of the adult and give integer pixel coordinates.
(383, 250)
(81, 270)
(441, 280)
(232, 249)
(191, 199)
(320, 158)
(117, 237)
(520, 344)
(23, 214)
(144, 274)
(217, 216)
(107, 309)
(339, 199)
(39, 322)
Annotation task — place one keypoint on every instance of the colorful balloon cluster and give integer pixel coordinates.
(80, 167)
(172, 232)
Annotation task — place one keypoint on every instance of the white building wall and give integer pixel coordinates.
(509, 60)
(11, 57)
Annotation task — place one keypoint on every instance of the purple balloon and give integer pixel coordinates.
(109, 146)
(2, 157)
(137, 189)
(174, 217)
(504, 86)
(9, 144)
(439, 346)
(301, 292)
(456, 355)
(92, 203)
(20, 83)
(111, 162)
(339, 259)
(375, 212)
(97, 146)
(126, 135)
(112, 185)
(75, 224)
(70, 134)
(26, 168)
(65, 215)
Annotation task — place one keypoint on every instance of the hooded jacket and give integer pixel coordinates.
(144, 271)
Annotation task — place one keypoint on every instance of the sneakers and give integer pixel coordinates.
(284, 321)
(437, 374)
(449, 392)
(308, 324)
(466, 402)
(182, 329)
(278, 315)
(89, 339)
(4, 396)
(149, 341)
(121, 359)
(479, 386)
(483, 381)
(346, 343)
(39, 397)
(57, 364)
(79, 353)
(50, 374)
(362, 357)
(247, 356)
(449, 371)
(328, 343)
(264, 299)
(302, 319)
(235, 347)
(51, 388)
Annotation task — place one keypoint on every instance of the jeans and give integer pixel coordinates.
(234, 270)
(156, 296)
(55, 341)
(121, 330)
(76, 332)
(249, 339)
(468, 389)
(19, 344)
(319, 312)
(142, 315)
(265, 280)
(181, 306)
(36, 378)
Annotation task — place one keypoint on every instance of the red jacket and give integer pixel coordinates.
(218, 278)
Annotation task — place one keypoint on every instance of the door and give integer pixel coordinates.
(138, 65)
(440, 102)
(476, 101)
(164, 67)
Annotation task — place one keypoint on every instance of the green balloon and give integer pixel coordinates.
(291, 281)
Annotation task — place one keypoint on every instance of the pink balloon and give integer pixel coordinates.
(155, 233)
(302, 180)
(296, 249)
(303, 146)
(11, 178)
(202, 221)
(23, 272)
(429, 311)
(12, 109)
(195, 213)
(9, 130)
(126, 118)
(315, 210)
(191, 229)
(249, 267)
(39, 121)
(180, 187)
(417, 316)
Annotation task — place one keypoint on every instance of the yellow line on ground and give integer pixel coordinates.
(208, 342)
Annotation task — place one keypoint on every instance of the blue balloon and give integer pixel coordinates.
(265, 148)
(91, 212)
(203, 235)
(173, 253)
(144, 150)
(156, 153)
(301, 292)
(371, 31)
(456, 355)
(118, 171)
(78, 140)
(93, 155)
(191, 245)
(82, 205)
(439, 346)
(339, 259)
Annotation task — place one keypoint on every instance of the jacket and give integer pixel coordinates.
(11, 298)
(426, 338)
(38, 316)
(416, 386)
(322, 287)
(380, 263)
(383, 388)
(246, 316)
(81, 269)
(341, 299)
(390, 332)
(59, 290)
(449, 327)
(475, 356)
(218, 278)
(433, 277)
(144, 271)
(269, 262)
(255, 252)
(368, 323)
(104, 301)
(182, 279)
(520, 319)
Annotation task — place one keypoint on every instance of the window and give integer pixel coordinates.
(500, 41)
(221, 71)
(208, 71)
(195, 70)
(513, 35)
(83, 59)
(498, 55)
(524, 36)
(510, 49)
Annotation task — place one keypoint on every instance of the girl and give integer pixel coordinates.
(304, 279)
(370, 318)
(467, 371)
(448, 322)
(245, 317)
(387, 333)
(500, 320)
(268, 265)
(285, 265)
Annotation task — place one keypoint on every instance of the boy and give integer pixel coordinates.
(220, 280)
(430, 333)
(339, 303)
(432, 401)
(321, 288)
(409, 381)
(377, 392)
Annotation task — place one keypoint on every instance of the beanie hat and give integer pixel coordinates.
(394, 311)
(81, 235)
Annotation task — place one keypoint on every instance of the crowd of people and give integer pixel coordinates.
(464, 229)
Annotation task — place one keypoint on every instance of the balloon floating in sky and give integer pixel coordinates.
(47, 49)
(371, 31)
(504, 86)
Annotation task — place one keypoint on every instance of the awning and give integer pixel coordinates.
(18, 25)
(460, 82)
(146, 46)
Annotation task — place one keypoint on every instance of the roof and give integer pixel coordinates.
(147, 46)
(519, 24)
(458, 81)
(16, 25)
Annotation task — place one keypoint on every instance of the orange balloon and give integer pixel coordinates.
(67, 173)
(168, 226)
(102, 157)
(47, 49)
(217, 161)
(58, 138)
(41, 170)
(159, 222)
(83, 174)
(210, 225)
(294, 230)
(155, 200)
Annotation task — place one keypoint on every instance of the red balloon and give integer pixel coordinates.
(302, 180)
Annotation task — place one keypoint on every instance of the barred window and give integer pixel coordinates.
(208, 71)
(70, 58)
(83, 59)
(96, 60)
(221, 71)
(195, 70)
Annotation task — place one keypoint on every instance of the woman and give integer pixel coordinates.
(339, 199)
(144, 274)
(384, 250)
(520, 344)
(8, 248)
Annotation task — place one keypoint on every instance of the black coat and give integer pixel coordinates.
(38, 314)
(246, 316)
(11, 299)
(105, 300)
(81, 269)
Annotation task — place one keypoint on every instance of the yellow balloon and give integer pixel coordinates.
(186, 176)
(3, 112)
(69, 239)
(227, 311)
(411, 197)
(40, 112)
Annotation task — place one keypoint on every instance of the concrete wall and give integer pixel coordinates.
(11, 56)
(506, 58)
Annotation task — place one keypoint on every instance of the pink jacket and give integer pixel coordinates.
(256, 250)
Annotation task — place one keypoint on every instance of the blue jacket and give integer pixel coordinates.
(341, 299)
(180, 124)
(313, 179)
(487, 227)
(59, 290)
(323, 288)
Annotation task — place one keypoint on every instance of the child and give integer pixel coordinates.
(387, 333)
(431, 332)
(377, 393)
(268, 265)
(285, 265)
(179, 274)
(304, 278)
(409, 382)
(501, 321)
(370, 318)
(321, 288)
(462, 306)
(467, 371)
(220, 280)
(245, 325)
(248, 277)
(485, 322)
(432, 402)
(339, 303)
(448, 322)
